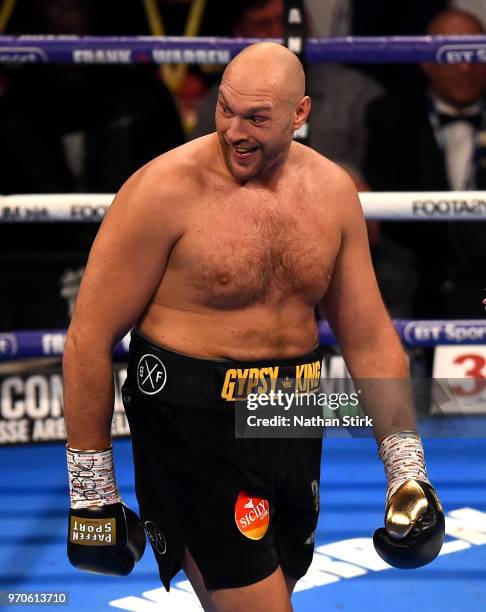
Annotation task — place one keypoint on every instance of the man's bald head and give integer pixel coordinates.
(267, 68)
(455, 22)
(261, 104)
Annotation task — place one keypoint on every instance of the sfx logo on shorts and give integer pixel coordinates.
(252, 516)
(151, 374)
(156, 537)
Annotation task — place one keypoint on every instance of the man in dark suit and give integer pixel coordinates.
(433, 140)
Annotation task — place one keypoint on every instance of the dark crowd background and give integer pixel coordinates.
(81, 128)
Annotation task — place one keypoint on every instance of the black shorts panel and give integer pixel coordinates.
(195, 479)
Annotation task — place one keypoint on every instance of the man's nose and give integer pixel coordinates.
(236, 130)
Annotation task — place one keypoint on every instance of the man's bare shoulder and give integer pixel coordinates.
(323, 174)
(178, 172)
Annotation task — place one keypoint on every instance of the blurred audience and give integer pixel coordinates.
(433, 140)
(385, 18)
(188, 83)
(69, 128)
(339, 94)
(80, 128)
(475, 7)
(329, 17)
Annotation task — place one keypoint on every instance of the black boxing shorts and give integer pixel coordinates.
(241, 506)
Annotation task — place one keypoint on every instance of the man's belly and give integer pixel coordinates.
(258, 332)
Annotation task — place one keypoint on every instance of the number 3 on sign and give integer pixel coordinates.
(462, 362)
(474, 364)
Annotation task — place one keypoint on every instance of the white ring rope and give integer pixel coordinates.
(394, 206)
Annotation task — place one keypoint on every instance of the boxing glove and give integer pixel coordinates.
(104, 536)
(414, 526)
(106, 540)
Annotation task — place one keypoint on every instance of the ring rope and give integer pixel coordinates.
(384, 206)
(50, 343)
(214, 50)
(173, 76)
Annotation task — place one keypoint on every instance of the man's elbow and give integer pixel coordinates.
(84, 341)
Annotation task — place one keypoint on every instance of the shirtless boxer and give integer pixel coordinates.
(217, 254)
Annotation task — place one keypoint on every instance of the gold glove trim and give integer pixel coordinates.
(406, 506)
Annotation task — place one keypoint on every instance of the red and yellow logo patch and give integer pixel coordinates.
(252, 516)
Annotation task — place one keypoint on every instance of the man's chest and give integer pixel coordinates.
(237, 253)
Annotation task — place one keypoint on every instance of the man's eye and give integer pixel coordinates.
(225, 109)
(257, 119)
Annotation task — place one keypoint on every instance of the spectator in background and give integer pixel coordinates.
(475, 7)
(339, 95)
(433, 140)
(329, 17)
(90, 126)
(188, 18)
(385, 18)
(69, 128)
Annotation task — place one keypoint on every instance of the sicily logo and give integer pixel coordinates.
(252, 516)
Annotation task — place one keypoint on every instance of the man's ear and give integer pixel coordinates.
(302, 111)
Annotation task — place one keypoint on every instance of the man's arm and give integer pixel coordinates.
(414, 520)
(126, 263)
(125, 266)
(355, 310)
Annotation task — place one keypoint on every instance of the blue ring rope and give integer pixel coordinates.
(160, 50)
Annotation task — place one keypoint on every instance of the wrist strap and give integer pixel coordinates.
(402, 454)
(91, 478)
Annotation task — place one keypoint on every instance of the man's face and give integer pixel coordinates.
(458, 84)
(264, 22)
(255, 131)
